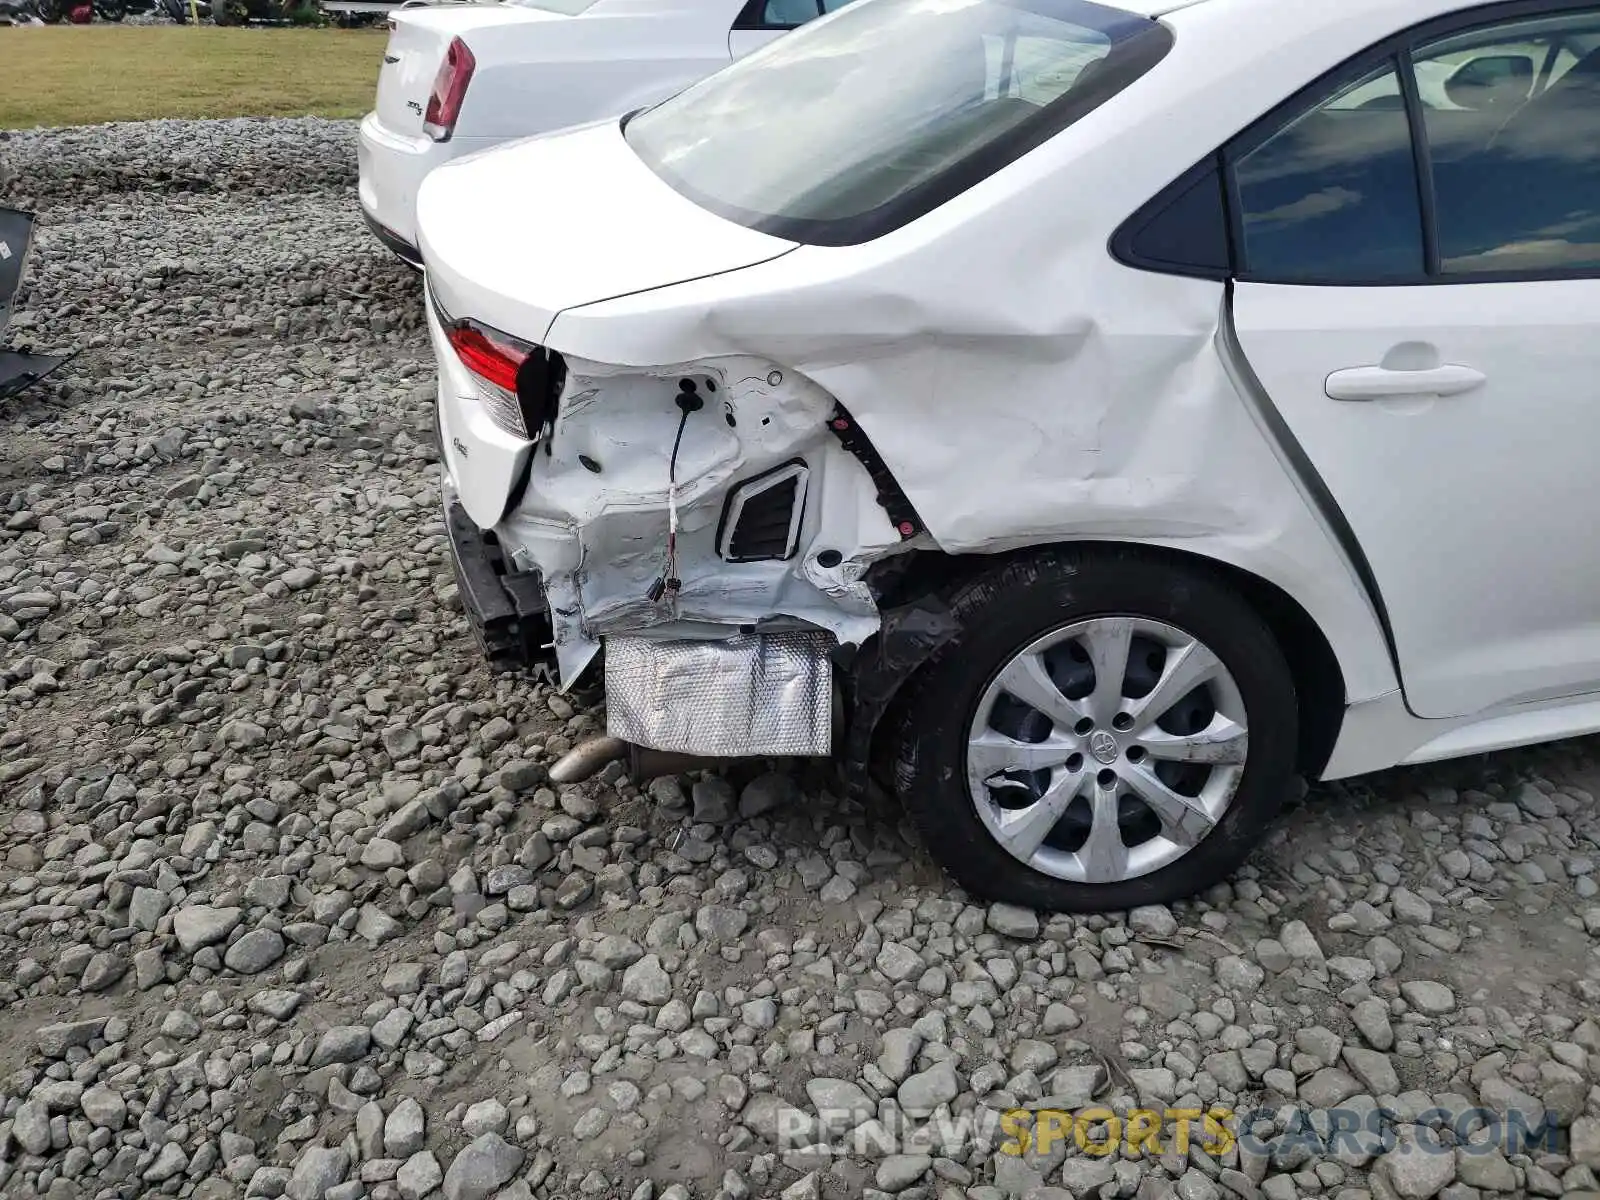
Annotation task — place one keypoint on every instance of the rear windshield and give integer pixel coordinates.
(883, 110)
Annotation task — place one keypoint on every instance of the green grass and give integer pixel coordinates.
(85, 74)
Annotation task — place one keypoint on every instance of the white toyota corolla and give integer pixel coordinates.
(1083, 418)
(461, 78)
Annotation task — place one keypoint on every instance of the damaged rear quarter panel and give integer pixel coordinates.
(595, 513)
(1023, 387)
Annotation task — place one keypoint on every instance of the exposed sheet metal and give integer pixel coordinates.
(752, 694)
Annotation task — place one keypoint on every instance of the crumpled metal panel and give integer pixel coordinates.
(751, 695)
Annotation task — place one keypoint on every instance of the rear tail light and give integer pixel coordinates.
(449, 89)
(519, 383)
(495, 359)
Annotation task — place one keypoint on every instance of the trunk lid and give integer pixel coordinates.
(514, 235)
(418, 40)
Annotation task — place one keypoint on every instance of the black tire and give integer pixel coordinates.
(1006, 609)
(50, 11)
(112, 10)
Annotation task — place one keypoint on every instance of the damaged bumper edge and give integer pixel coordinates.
(506, 609)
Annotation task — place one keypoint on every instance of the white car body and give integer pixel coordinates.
(1026, 387)
(539, 66)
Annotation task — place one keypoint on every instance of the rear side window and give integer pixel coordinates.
(1334, 193)
(1513, 135)
(1470, 155)
(858, 123)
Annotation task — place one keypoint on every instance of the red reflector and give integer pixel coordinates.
(449, 89)
(487, 356)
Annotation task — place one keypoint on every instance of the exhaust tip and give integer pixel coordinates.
(587, 759)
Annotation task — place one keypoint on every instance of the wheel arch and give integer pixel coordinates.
(907, 580)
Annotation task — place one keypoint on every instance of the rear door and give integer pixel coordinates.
(1418, 292)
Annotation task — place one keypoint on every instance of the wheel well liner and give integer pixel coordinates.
(911, 591)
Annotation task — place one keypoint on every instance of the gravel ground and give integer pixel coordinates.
(289, 907)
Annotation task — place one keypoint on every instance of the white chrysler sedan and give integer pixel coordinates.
(1082, 417)
(461, 78)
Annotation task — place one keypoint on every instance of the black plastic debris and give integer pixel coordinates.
(20, 368)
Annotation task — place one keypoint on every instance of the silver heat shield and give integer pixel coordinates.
(752, 695)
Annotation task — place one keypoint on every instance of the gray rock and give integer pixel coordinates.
(404, 1129)
(1418, 1166)
(1371, 1017)
(1585, 1142)
(30, 1125)
(1013, 922)
(1153, 920)
(897, 1172)
(647, 982)
(316, 1171)
(713, 800)
(341, 1044)
(840, 1105)
(1428, 996)
(486, 1116)
(765, 793)
(1374, 1070)
(920, 1094)
(255, 951)
(103, 971)
(481, 1168)
(105, 1108)
(199, 925)
(419, 1175)
(898, 962)
(898, 1053)
(55, 1040)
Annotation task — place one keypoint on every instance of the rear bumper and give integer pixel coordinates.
(391, 166)
(507, 610)
(408, 253)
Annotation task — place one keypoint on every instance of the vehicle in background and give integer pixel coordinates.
(350, 14)
(462, 78)
(52, 12)
(1120, 408)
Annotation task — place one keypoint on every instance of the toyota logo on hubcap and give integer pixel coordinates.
(1103, 746)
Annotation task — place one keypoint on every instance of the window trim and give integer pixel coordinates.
(749, 18)
(1397, 50)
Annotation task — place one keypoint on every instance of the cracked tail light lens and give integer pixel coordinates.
(449, 90)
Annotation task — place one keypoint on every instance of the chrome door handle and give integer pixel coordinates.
(1374, 383)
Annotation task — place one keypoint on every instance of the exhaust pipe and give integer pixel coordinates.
(589, 758)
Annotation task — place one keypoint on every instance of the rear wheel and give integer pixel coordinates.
(1113, 729)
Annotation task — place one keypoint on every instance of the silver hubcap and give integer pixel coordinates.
(1106, 749)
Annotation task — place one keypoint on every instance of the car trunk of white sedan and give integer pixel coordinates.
(419, 41)
(571, 246)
